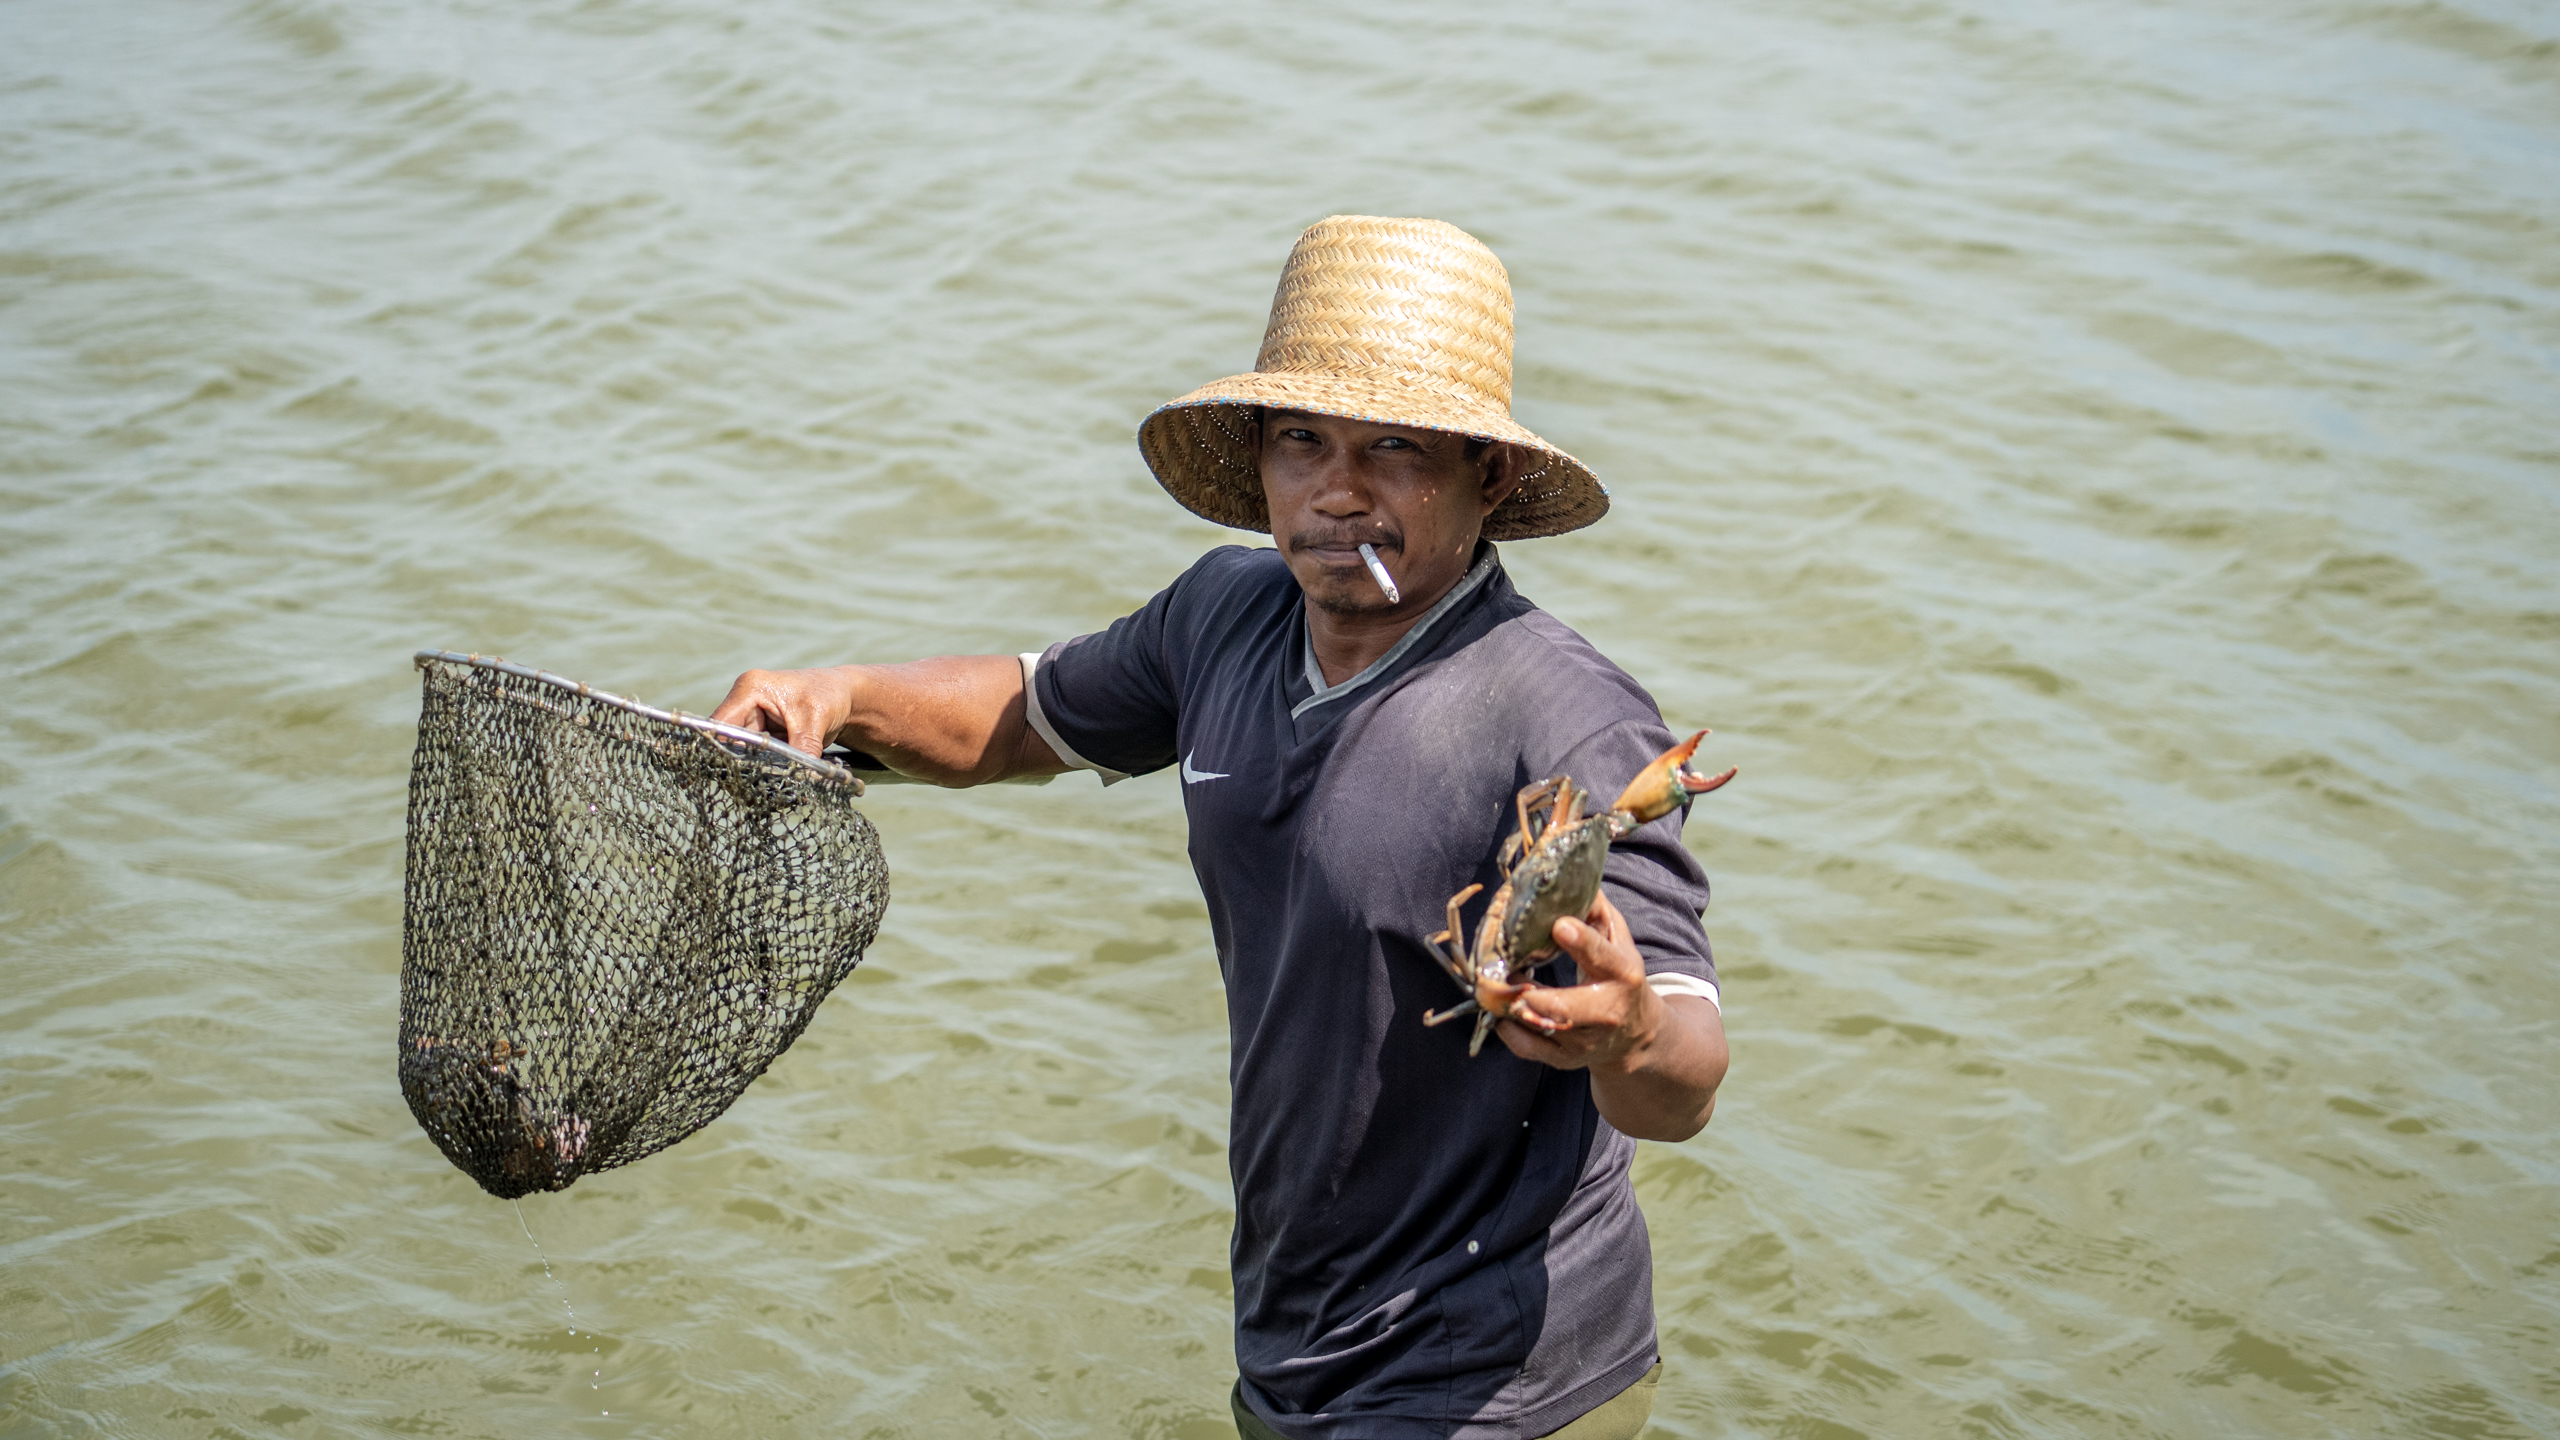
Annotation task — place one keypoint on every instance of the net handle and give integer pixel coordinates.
(712, 729)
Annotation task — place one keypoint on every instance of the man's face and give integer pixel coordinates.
(1411, 494)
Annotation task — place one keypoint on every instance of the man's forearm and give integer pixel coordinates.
(956, 720)
(1664, 1088)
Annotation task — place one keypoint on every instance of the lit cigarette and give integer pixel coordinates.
(1378, 572)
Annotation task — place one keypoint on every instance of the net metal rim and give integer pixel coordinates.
(726, 734)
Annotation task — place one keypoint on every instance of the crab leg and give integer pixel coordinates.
(1448, 946)
(1484, 1021)
(1530, 799)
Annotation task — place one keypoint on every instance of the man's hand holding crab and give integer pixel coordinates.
(1655, 1060)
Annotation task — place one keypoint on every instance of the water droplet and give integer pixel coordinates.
(572, 1311)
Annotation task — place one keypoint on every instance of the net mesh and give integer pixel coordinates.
(614, 922)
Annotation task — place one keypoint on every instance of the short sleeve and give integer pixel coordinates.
(1651, 877)
(1106, 701)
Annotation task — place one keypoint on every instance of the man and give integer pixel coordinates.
(1426, 1244)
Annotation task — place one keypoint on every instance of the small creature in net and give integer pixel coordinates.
(616, 918)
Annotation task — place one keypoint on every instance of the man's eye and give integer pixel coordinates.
(1303, 437)
(1395, 442)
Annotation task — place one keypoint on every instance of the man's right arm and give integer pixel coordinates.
(959, 720)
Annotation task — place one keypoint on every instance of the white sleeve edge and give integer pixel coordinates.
(1668, 982)
(1041, 727)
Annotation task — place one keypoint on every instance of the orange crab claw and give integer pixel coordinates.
(1491, 997)
(1668, 783)
(1495, 996)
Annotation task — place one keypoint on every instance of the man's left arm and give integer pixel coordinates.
(1655, 1060)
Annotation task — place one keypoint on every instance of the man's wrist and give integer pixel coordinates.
(847, 697)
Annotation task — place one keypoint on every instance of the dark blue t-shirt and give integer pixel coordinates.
(1425, 1244)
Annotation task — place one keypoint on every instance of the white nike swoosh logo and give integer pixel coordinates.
(1194, 777)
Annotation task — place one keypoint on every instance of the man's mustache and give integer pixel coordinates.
(1377, 538)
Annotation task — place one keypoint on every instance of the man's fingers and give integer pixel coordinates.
(1604, 914)
(777, 703)
(1528, 1044)
(1600, 955)
(1571, 1006)
(804, 732)
(744, 705)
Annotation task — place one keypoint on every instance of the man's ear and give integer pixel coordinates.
(1502, 472)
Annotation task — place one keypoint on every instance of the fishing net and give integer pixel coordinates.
(616, 918)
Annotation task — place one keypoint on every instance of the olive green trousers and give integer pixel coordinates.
(1620, 1417)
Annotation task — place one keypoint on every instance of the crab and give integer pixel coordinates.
(1551, 871)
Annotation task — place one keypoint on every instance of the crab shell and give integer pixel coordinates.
(1558, 881)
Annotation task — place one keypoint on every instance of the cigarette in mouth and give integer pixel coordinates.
(1378, 572)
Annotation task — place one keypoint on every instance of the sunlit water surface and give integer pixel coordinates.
(2097, 467)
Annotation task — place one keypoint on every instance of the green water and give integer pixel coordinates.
(2093, 465)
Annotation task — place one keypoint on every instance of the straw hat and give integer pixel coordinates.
(1397, 322)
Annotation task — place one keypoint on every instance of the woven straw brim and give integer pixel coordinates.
(1200, 449)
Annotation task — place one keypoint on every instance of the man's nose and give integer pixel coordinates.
(1340, 490)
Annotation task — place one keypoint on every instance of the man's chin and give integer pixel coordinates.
(1335, 593)
(1347, 602)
